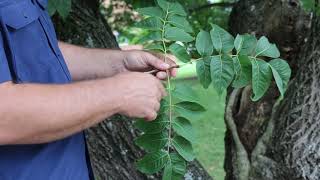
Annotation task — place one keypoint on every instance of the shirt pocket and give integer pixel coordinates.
(33, 56)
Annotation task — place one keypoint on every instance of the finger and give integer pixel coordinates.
(174, 72)
(157, 106)
(151, 116)
(157, 63)
(161, 75)
(162, 89)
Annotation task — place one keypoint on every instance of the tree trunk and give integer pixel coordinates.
(111, 143)
(278, 140)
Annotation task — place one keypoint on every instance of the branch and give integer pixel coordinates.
(242, 164)
(222, 4)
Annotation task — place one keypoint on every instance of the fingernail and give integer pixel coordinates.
(165, 66)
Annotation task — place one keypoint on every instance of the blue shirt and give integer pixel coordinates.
(29, 53)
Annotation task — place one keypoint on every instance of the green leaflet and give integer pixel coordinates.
(191, 106)
(183, 127)
(150, 23)
(152, 142)
(177, 34)
(175, 169)
(152, 36)
(203, 72)
(282, 73)
(154, 47)
(265, 48)
(185, 93)
(180, 22)
(172, 7)
(153, 127)
(243, 71)
(222, 41)
(222, 72)
(204, 44)
(151, 11)
(184, 148)
(180, 52)
(154, 162)
(245, 44)
(261, 78)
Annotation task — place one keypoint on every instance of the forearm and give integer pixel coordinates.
(86, 63)
(32, 114)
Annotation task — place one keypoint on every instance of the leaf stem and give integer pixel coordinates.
(168, 82)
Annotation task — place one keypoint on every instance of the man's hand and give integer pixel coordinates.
(142, 61)
(140, 94)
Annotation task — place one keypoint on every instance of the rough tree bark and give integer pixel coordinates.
(111, 146)
(278, 140)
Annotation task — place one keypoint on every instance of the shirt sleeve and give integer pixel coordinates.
(5, 73)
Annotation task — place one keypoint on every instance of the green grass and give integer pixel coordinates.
(210, 130)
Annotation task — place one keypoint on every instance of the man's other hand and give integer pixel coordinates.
(140, 94)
